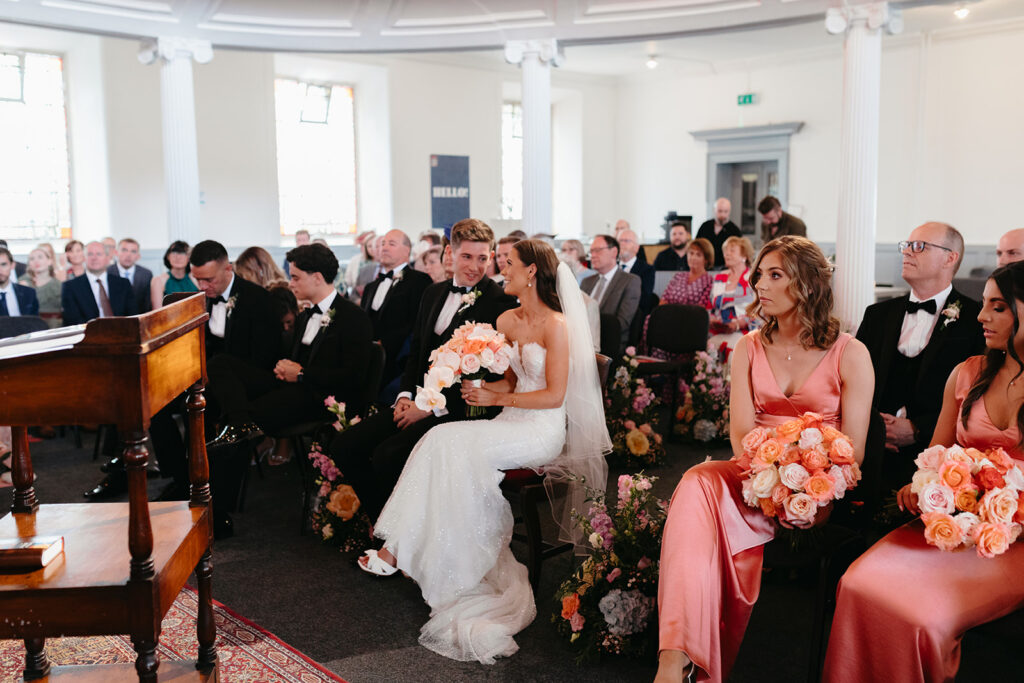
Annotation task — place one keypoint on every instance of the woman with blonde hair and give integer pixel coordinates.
(712, 548)
(58, 272)
(41, 276)
(731, 293)
(255, 264)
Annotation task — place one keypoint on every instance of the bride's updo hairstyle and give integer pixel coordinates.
(810, 285)
(1010, 281)
(536, 252)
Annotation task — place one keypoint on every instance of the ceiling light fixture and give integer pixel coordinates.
(652, 61)
(961, 12)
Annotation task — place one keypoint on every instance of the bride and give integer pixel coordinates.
(447, 524)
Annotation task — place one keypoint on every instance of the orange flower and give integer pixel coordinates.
(570, 605)
(990, 478)
(1019, 517)
(754, 438)
(814, 459)
(791, 456)
(820, 487)
(830, 434)
(789, 431)
(841, 451)
(768, 507)
(343, 502)
(966, 499)
(474, 346)
(942, 531)
(767, 453)
(956, 475)
(812, 419)
(999, 458)
(992, 538)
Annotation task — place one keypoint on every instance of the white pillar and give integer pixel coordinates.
(178, 114)
(858, 153)
(535, 58)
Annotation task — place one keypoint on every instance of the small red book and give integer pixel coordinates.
(29, 553)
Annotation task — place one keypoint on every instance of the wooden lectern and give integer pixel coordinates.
(123, 563)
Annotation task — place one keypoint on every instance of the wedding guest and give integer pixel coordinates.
(623, 224)
(126, 265)
(429, 262)
(74, 258)
(369, 271)
(58, 271)
(447, 259)
(572, 254)
(362, 255)
(673, 257)
(691, 286)
(629, 261)
(915, 341)
(501, 252)
(42, 278)
(97, 293)
(712, 547)
(301, 238)
(427, 240)
(176, 279)
(15, 299)
(255, 264)
(718, 229)
(392, 302)
(887, 627)
(616, 291)
(110, 244)
(518, 234)
(447, 524)
(775, 222)
(19, 267)
(1010, 247)
(730, 295)
(373, 452)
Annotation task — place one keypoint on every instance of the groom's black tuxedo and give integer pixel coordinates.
(373, 453)
(917, 383)
(393, 321)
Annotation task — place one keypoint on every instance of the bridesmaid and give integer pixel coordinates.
(881, 629)
(712, 549)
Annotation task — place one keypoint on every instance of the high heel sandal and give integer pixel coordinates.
(376, 566)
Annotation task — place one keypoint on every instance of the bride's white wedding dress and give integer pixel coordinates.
(449, 525)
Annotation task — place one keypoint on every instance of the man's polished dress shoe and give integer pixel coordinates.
(232, 434)
(223, 526)
(113, 485)
(116, 464)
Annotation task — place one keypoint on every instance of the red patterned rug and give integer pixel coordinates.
(246, 653)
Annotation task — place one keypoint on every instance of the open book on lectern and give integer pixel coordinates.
(44, 341)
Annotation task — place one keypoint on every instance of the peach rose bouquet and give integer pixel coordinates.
(796, 468)
(474, 351)
(969, 498)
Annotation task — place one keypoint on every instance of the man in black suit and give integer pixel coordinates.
(673, 257)
(392, 301)
(241, 324)
(373, 453)
(915, 341)
(629, 247)
(126, 266)
(97, 293)
(15, 299)
(718, 229)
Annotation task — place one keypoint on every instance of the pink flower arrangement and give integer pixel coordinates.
(969, 498)
(474, 351)
(796, 468)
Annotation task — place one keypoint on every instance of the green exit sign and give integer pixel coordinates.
(745, 99)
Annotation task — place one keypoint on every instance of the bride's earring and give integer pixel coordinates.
(530, 283)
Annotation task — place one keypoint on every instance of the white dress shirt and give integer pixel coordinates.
(385, 286)
(313, 325)
(96, 288)
(9, 296)
(627, 266)
(451, 306)
(219, 313)
(918, 326)
(128, 274)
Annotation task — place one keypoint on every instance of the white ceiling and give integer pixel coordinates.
(411, 25)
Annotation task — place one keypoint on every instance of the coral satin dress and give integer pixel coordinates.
(712, 550)
(903, 605)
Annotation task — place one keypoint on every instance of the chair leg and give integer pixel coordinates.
(529, 505)
(98, 444)
(36, 663)
(205, 630)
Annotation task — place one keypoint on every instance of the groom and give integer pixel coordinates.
(373, 453)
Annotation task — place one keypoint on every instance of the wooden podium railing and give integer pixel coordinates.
(122, 372)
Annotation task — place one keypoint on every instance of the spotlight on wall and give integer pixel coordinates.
(652, 61)
(961, 12)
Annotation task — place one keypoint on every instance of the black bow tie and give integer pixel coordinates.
(218, 300)
(456, 288)
(315, 308)
(390, 275)
(926, 306)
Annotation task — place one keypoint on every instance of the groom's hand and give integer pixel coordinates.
(409, 415)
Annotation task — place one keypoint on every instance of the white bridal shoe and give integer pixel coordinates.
(376, 566)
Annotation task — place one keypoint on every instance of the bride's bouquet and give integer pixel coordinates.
(969, 498)
(474, 351)
(796, 468)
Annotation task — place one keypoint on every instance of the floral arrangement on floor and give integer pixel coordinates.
(704, 415)
(969, 498)
(797, 468)
(335, 510)
(474, 351)
(609, 604)
(631, 408)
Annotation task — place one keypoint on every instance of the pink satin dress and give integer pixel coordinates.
(712, 549)
(904, 605)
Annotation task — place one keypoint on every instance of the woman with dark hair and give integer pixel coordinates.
(447, 524)
(177, 278)
(903, 606)
(255, 264)
(712, 548)
(74, 257)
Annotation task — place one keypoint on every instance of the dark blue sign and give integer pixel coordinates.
(449, 190)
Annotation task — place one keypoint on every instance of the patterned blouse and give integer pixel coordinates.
(681, 291)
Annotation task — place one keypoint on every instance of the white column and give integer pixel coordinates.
(178, 114)
(858, 153)
(535, 58)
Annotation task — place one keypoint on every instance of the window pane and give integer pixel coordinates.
(34, 166)
(316, 161)
(512, 161)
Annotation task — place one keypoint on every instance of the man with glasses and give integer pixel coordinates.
(616, 292)
(915, 341)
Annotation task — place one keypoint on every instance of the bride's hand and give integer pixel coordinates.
(478, 396)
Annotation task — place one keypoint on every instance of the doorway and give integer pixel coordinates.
(745, 184)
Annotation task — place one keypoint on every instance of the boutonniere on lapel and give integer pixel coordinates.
(229, 305)
(397, 277)
(468, 299)
(950, 314)
(327, 318)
